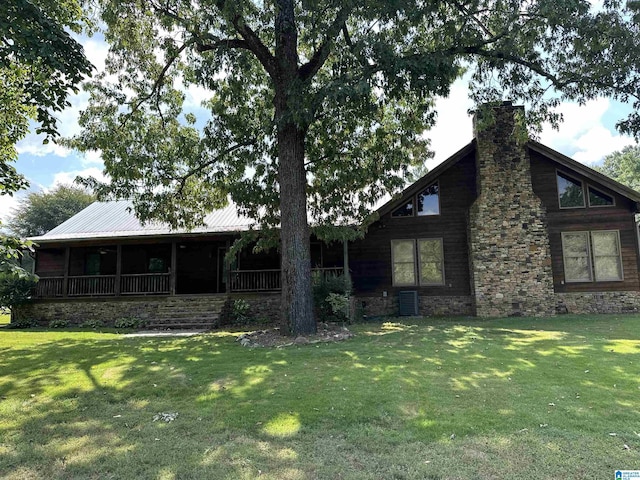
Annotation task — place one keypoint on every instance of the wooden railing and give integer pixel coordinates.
(145, 283)
(91, 285)
(268, 280)
(50, 287)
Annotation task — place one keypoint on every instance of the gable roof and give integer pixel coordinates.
(114, 219)
(587, 172)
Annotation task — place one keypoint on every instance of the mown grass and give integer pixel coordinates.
(5, 318)
(410, 399)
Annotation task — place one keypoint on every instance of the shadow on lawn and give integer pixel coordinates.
(85, 408)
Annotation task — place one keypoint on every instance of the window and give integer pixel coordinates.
(404, 264)
(570, 192)
(599, 199)
(429, 201)
(92, 264)
(157, 265)
(427, 270)
(592, 255)
(404, 211)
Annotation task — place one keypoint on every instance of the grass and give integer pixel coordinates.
(5, 318)
(415, 399)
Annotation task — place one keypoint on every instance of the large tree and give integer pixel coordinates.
(40, 65)
(316, 107)
(624, 166)
(39, 212)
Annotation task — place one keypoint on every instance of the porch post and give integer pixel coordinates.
(174, 262)
(345, 254)
(118, 269)
(65, 282)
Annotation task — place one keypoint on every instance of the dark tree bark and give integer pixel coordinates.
(297, 301)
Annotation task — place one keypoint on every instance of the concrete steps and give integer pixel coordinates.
(198, 313)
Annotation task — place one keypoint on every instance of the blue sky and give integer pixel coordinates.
(587, 134)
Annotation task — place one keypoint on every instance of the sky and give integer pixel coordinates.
(586, 135)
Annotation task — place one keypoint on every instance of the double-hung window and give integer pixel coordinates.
(592, 256)
(417, 262)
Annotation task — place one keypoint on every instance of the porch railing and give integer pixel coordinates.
(145, 283)
(50, 287)
(92, 285)
(268, 280)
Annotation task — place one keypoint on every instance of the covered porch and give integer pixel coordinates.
(178, 267)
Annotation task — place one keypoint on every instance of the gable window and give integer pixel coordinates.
(418, 262)
(405, 210)
(570, 192)
(429, 201)
(592, 256)
(599, 199)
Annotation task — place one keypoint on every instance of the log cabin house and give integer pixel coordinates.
(501, 228)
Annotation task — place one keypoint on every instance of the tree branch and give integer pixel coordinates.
(224, 43)
(309, 69)
(255, 45)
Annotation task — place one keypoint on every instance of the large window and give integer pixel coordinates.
(427, 203)
(570, 192)
(417, 262)
(592, 256)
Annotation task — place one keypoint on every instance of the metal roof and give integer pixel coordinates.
(115, 220)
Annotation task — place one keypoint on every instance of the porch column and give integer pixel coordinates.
(65, 281)
(172, 275)
(345, 255)
(118, 269)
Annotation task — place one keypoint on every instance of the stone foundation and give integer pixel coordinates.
(427, 306)
(598, 302)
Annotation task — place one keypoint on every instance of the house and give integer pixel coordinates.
(503, 227)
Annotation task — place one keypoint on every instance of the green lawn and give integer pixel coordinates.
(417, 399)
(5, 318)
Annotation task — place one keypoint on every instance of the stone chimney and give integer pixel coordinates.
(508, 236)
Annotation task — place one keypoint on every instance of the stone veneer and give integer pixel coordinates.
(508, 239)
(598, 302)
(427, 305)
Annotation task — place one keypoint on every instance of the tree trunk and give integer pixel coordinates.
(297, 300)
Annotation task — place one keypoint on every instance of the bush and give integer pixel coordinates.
(128, 322)
(92, 324)
(21, 322)
(16, 289)
(59, 323)
(240, 312)
(331, 297)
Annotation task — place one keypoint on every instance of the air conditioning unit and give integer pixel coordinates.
(408, 303)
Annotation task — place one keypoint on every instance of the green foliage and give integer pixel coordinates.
(39, 212)
(129, 323)
(331, 297)
(240, 312)
(15, 289)
(623, 166)
(95, 324)
(23, 322)
(58, 323)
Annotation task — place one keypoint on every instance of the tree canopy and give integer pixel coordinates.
(317, 108)
(39, 212)
(624, 166)
(40, 64)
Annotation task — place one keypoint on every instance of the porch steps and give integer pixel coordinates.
(201, 313)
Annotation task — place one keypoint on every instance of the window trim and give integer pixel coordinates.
(419, 261)
(393, 263)
(595, 276)
(589, 186)
(591, 257)
(414, 202)
(437, 182)
(571, 177)
(417, 269)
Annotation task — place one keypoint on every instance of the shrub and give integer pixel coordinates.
(92, 324)
(22, 322)
(240, 312)
(128, 322)
(330, 297)
(16, 289)
(59, 323)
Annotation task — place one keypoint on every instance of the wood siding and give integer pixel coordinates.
(618, 217)
(50, 262)
(370, 258)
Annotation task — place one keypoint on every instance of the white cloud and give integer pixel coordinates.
(67, 178)
(7, 204)
(583, 135)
